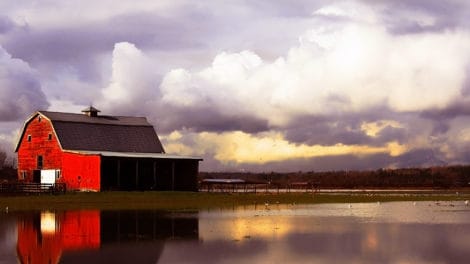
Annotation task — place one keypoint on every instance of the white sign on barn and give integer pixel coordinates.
(48, 176)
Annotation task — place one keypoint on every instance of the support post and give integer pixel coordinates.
(136, 174)
(154, 175)
(173, 175)
(119, 174)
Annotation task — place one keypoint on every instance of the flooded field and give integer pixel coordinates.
(395, 232)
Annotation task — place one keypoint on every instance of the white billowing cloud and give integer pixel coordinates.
(427, 71)
(20, 89)
(348, 10)
(132, 79)
(223, 85)
(351, 65)
(66, 106)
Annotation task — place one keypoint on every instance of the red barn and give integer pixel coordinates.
(91, 152)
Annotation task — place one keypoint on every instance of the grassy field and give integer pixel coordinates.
(203, 200)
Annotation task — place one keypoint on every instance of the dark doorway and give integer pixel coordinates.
(37, 176)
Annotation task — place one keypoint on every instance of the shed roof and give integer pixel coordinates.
(136, 155)
(101, 133)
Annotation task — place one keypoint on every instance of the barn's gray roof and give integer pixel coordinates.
(105, 120)
(103, 133)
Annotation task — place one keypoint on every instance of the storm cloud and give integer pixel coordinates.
(309, 85)
(20, 89)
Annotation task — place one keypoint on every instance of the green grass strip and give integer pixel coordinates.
(204, 200)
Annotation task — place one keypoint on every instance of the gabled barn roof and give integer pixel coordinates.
(101, 133)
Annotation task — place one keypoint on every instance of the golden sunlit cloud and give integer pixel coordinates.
(373, 128)
(240, 147)
(464, 135)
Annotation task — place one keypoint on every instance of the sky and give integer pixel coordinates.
(252, 85)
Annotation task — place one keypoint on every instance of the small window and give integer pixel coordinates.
(49, 137)
(39, 118)
(57, 174)
(29, 138)
(39, 162)
(23, 175)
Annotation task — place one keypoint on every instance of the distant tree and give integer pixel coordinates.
(3, 157)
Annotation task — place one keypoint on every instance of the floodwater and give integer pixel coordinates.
(396, 232)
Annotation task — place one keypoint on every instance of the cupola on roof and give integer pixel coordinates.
(91, 111)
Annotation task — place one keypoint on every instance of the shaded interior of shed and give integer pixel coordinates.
(128, 174)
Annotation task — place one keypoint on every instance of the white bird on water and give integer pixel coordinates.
(349, 206)
(6, 209)
(466, 202)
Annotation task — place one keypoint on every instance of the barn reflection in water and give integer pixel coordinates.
(100, 236)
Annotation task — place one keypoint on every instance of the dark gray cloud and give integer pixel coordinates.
(327, 163)
(207, 119)
(345, 128)
(5, 25)
(415, 158)
(286, 8)
(79, 45)
(389, 134)
(420, 158)
(416, 16)
(326, 132)
(456, 109)
(20, 89)
(439, 128)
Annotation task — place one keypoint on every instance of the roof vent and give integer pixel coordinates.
(91, 111)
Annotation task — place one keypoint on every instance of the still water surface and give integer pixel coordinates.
(398, 232)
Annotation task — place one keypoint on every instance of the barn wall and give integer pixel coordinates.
(81, 172)
(40, 145)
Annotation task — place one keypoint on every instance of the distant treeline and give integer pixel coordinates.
(8, 174)
(434, 177)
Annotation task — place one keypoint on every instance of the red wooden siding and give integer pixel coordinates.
(40, 145)
(81, 172)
